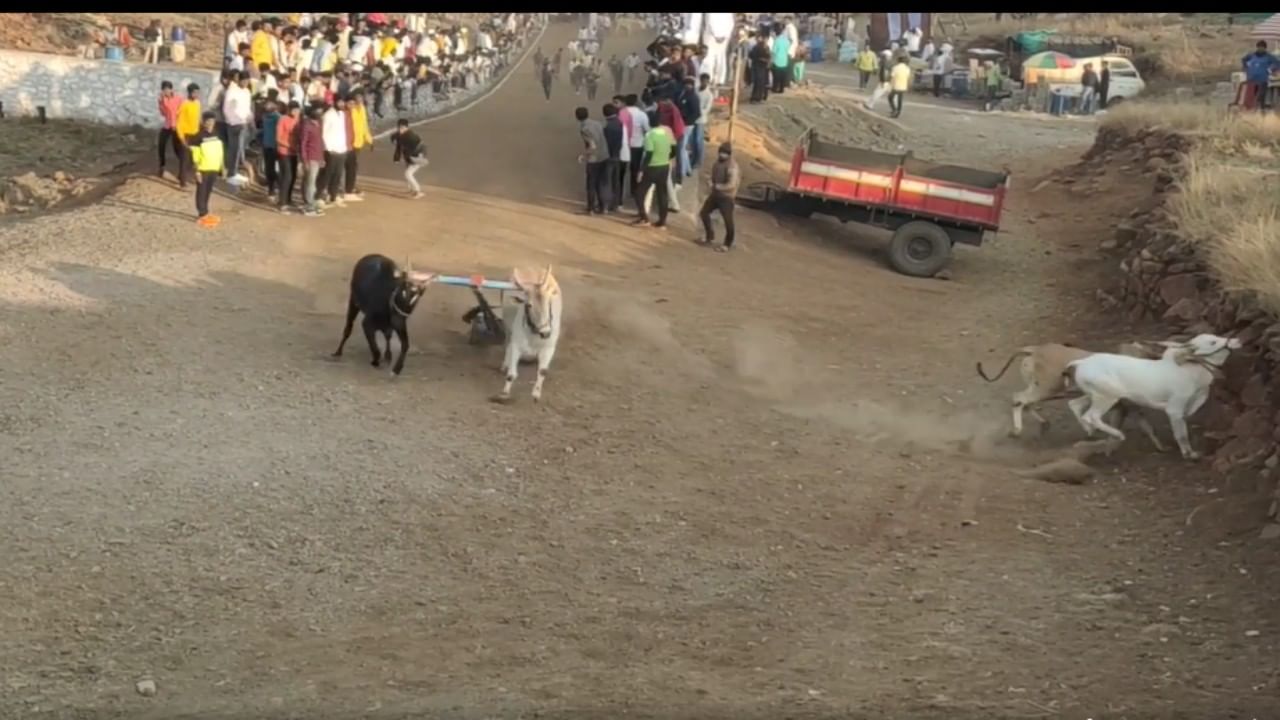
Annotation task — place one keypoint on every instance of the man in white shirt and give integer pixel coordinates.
(333, 131)
(716, 33)
(639, 127)
(632, 63)
(914, 37)
(237, 109)
(234, 38)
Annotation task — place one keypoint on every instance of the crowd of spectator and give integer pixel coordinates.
(304, 91)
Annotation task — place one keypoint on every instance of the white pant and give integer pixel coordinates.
(717, 63)
(673, 200)
(411, 171)
(881, 90)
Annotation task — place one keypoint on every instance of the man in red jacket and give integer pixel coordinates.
(669, 115)
(311, 158)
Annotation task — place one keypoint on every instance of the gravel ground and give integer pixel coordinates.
(762, 484)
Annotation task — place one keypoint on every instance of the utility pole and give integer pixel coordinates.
(737, 87)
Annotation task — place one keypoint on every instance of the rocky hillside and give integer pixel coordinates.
(1166, 273)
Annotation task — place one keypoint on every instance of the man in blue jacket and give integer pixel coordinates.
(1258, 66)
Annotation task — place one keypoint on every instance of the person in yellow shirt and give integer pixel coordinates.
(387, 51)
(260, 46)
(899, 84)
(361, 139)
(208, 155)
(187, 126)
(867, 64)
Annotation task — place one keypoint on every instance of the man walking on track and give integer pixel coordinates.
(547, 75)
(409, 147)
(725, 178)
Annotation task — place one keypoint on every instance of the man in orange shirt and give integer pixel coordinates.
(168, 105)
(286, 148)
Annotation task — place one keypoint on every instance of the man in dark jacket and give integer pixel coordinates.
(409, 147)
(613, 133)
(1089, 89)
(725, 178)
(1104, 84)
(687, 102)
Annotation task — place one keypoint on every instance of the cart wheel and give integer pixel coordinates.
(919, 249)
(479, 334)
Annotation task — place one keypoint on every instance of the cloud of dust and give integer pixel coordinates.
(773, 368)
(628, 316)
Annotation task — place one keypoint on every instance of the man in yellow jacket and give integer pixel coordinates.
(209, 157)
(260, 46)
(360, 139)
(867, 64)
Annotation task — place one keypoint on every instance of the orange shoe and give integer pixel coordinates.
(203, 221)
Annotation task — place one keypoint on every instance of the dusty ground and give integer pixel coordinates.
(764, 484)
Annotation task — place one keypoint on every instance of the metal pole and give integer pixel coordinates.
(737, 89)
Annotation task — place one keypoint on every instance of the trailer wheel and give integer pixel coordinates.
(919, 249)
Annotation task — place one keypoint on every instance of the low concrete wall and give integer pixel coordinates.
(114, 93)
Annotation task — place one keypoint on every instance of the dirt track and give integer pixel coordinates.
(760, 484)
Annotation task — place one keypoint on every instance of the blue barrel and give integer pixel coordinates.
(1058, 103)
(817, 46)
(114, 54)
(960, 84)
(179, 34)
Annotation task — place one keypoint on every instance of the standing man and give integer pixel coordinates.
(639, 128)
(287, 149)
(1258, 67)
(615, 70)
(361, 138)
(725, 178)
(867, 64)
(270, 122)
(237, 109)
(658, 157)
(209, 158)
(1088, 89)
(334, 130)
(409, 147)
(594, 158)
(187, 127)
(169, 104)
(311, 159)
(690, 112)
(899, 83)
(615, 138)
(632, 63)
(1104, 84)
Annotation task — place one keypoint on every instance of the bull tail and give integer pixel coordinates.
(1069, 378)
(1017, 354)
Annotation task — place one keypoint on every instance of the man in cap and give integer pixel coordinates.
(725, 178)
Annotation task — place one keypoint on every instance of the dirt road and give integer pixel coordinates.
(760, 485)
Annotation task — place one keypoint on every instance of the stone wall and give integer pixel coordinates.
(1163, 277)
(113, 93)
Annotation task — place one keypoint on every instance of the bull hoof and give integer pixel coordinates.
(1192, 456)
(1044, 429)
(336, 353)
(501, 399)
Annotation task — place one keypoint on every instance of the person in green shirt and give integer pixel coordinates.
(657, 158)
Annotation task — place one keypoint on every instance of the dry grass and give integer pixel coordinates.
(1231, 209)
(1234, 130)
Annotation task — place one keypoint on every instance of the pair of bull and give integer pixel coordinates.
(387, 295)
(1173, 377)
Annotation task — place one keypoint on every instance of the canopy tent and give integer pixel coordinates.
(1268, 29)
